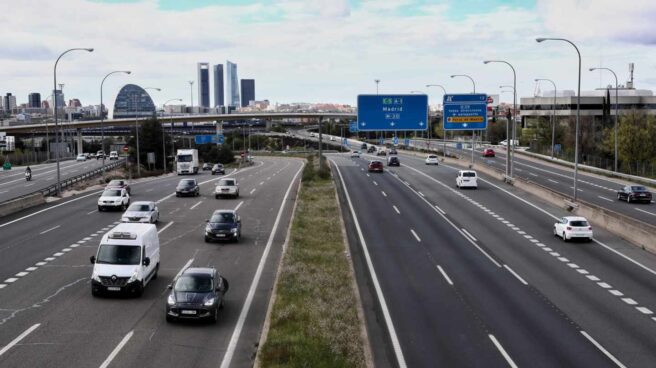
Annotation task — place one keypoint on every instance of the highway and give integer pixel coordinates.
(48, 317)
(13, 183)
(465, 278)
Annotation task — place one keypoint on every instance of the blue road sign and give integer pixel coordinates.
(381, 141)
(220, 138)
(557, 147)
(353, 127)
(395, 141)
(392, 112)
(345, 141)
(465, 112)
(406, 141)
(209, 138)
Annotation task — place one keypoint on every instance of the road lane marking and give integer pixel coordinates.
(651, 213)
(415, 235)
(515, 274)
(502, 351)
(384, 195)
(116, 350)
(379, 291)
(252, 191)
(261, 183)
(19, 338)
(196, 205)
(88, 213)
(21, 274)
(52, 228)
(532, 174)
(421, 194)
(49, 208)
(396, 209)
(605, 199)
(629, 301)
(609, 355)
(239, 205)
(375, 183)
(165, 227)
(446, 277)
(580, 190)
(468, 234)
(232, 345)
(439, 209)
(553, 181)
(644, 310)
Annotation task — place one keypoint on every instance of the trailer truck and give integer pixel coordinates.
(187, 161)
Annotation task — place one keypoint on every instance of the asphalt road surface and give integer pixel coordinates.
(48, 317)
(476, 278)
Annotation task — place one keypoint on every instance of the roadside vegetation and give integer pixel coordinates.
(314, 320)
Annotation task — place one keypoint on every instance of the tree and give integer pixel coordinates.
(150, 140)
(636, 137)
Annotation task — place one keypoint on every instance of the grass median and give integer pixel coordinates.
(314, 321)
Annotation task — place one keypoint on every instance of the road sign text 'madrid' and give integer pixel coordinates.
(392, 112)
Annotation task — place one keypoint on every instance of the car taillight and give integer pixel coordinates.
(589, 227)
(569, 228)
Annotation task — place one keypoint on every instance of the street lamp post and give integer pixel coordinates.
(377, 82)
(164, 140)
(473, 91)
(617, 102)
(443, 125)
(510, 156)
(191, 94)
(578, 112)
(553, 116)
(55, 110)
(102, 114)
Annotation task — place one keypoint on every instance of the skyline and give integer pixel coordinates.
(323, 51)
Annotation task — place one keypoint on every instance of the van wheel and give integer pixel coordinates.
(156, 272)
(140, 290)
(216, 196)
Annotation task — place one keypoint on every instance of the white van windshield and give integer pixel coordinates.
(119, 254)
(185, 158)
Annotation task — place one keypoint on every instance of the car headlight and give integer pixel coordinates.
(233, 230)
(125, 219)
(95, 276)
(134, 276)
(208, 228)
(170, 300)
(209, 302)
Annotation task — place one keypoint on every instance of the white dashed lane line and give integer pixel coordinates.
(51, 229)
(553, 181)
(446, 277)
(605, 199)
(415, 235)
(647, 212)
(397, 210)
(383, 193)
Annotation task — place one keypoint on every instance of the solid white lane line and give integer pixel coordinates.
(532, 174)
(232, 345)
(52, 228)
(196, 205)
(440, 210)
(468, 234)
(189, 262)
(396, 345)
(384, 195)
(421, 194)
(49, 208)
(605, 199)
(116, 350)
(19, 338)
(553, 181)
(609, 355)
(239, 205)
(515, 274)
(165, 227)
(502, 351)
(415, 235)
(397, 210)
(446, 277)
(641, 210)
(252, 191)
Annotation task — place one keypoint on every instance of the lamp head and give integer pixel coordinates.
(453, 76)
(540, 39)
(90, 50)
(592, 69)
(536, 79)
(486, 62)
(128, 72)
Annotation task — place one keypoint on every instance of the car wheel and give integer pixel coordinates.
(555, 232)
(124, 206)
(177, 194)
(207, 240)
(628, 199)
(215, 316)
(564, 237)
(216, 196)
(94, 292)
(221, 305)
(100, 209)
(170, 319)
(619, 197)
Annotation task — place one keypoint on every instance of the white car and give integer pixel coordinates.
(572, 227)
(355, 154)
(332, 137)
(115, 198)
(113, 155)
(467, 179)
(81, 157)
(226, 187)
(432, 160)
(142, 211)
(504, 142)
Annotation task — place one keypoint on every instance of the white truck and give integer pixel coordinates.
(187, 161)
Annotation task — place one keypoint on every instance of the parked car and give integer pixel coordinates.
(119, 183)
(197, 293)
(187, 187)
(226, 187)
(223, 225)
(113, 198)
(432, 160)
(393, 161)
(81, 157)
(376, 166)
(571, 227)
(141, 211)
(207, 166)
(466, 179)
(218, 169)
(488, 152)
(634, 193)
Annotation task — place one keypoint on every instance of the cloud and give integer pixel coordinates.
(12, 50)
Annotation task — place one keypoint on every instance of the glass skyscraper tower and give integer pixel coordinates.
(204, 84)
(232, 84)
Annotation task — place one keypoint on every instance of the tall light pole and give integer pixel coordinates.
(617, 102)
(191, 93)
(443, 125)
(55, 110)
(377, 82)
(578, 112)
(102, 114)
(473, 91)
(510, 156)
(164, 140)
(553, 115)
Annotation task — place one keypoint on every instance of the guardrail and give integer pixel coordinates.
(52, 189)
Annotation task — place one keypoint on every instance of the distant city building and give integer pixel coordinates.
(45, 104)
(74, 103)
(219, 99)
(60, 98)
(133, 101)
(232, 84)
(34, 100)
(9, 103)
(247, 91)
(203, 84)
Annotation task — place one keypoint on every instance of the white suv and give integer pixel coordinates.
(226, 187)
(467, 179)
(116, 198)
(113, 155)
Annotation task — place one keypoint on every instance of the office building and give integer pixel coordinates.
(133, 101)
(203, 84)
(34, 100)
(247, 91)
(218, 86)
(232, 84)
(60, 98)
(9, 103)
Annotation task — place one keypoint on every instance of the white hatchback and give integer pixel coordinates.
(571, 227)
(81, 157)
(467, 179)
(432, 160)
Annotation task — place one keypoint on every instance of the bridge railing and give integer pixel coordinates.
(52, 189)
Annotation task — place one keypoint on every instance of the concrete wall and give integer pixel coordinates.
(18, 204)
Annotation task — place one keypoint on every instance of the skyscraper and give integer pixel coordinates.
(34, 100)
(9, 102)
(218, 86)
(60, 98)
(232, 84)
(204, 84)
(247, 91)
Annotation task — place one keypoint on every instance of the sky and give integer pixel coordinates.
(323, 50)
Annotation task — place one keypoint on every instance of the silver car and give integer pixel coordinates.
(142, 212)
(227, 187)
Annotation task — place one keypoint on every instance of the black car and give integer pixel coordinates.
(393, 161)
(634, 193)
(197, 293)
(223, 225)
(207, 166)
(371, 149)
(187, 187)
(218, 169)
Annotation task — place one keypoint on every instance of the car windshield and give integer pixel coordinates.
(184, 158)
(469, 174)
(112, 193)
(578, 223)
(432, 156)
(194, 284)
(139, 207)
(638, 188)
(223, 218)
(226, 182)
(116, 183)
(119, 254)
(186, 183)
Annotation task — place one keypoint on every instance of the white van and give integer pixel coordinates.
(467, 179)
(113, 155)
(126, 261)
